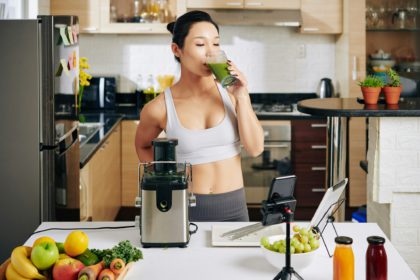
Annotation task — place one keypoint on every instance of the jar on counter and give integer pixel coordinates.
(376, 259)
(343, 259)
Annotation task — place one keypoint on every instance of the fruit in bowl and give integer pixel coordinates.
(304, 246)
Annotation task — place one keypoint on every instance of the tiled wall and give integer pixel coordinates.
(269, 57)
(394, 183)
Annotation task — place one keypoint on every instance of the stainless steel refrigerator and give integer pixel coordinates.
(39, 145)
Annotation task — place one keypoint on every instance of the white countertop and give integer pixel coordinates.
(202, 261)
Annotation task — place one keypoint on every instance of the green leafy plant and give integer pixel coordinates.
(371, 81)
(394, 78)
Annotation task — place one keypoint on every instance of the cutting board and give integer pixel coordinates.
(251, 240)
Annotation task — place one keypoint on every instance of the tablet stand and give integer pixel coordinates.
(329, 220)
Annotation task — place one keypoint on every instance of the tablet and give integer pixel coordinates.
(326, 207)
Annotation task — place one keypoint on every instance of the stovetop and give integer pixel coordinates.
(281, 104)
(274, 109)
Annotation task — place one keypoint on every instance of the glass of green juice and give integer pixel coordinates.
(217, 62)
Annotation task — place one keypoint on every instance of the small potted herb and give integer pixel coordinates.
(392, 89)
(371, 88)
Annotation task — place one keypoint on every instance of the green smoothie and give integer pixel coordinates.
(220, 70)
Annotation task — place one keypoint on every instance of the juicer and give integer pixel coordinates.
(164, 199)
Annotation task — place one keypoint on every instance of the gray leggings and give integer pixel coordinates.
(230, 206)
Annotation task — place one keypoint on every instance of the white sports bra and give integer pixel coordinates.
(204, 145)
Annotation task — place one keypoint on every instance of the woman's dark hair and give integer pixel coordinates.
(180, 28)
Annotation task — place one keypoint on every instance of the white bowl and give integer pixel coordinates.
(278, 260)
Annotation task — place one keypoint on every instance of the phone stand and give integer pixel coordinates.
(329, 219)
(279, 210)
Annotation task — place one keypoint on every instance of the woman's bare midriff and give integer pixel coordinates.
(217, 177)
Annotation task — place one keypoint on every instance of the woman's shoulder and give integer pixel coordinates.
(154, 109)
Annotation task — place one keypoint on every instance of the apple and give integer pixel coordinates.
(44, 255)
(67, 269)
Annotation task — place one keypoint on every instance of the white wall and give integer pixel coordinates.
(268, 56)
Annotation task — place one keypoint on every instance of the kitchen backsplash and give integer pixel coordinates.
(273, 59)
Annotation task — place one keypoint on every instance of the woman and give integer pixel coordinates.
(209, 122)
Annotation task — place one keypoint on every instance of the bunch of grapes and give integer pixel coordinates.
(303, 241)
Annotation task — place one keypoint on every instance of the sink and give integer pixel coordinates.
(87, 130)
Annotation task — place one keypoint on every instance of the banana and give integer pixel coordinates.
(22, 264)
(11, 273)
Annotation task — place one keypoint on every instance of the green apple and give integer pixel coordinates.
(44, 255)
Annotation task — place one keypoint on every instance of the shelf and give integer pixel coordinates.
(392, 29)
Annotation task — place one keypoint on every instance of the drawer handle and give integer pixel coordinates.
(318, 168)
(90, 29)
(318, 125)
(276, 146)
(319, 147)
(318, 190)
(254, 4)
(310, 29)
(233, 4)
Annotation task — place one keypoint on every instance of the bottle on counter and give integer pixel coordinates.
(376, 259)
(149, 90)
(343, 259)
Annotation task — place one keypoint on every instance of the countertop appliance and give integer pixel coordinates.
(326, 88)
(101, 93)
(39, 147)
(164, 198)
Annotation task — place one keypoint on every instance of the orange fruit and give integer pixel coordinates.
(43, 239)
(76, 243)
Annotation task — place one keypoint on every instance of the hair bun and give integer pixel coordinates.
(170, 26)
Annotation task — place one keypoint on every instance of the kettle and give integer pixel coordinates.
(326, 88)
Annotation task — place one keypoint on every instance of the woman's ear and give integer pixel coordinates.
(176, 50)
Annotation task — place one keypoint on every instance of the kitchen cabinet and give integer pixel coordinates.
(130, 163)
(88, 12)
(309, 165)
(240, 4)
(322, 16)
(101, 181)
(95, 16)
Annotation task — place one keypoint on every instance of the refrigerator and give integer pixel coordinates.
(39, 145)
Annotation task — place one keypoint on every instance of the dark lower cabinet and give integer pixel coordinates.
(309, 154)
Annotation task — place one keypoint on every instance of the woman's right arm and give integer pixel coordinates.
(149, 128)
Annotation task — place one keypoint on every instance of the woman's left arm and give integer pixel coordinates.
(250, 130)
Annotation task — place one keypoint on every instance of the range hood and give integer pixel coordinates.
(286, 18)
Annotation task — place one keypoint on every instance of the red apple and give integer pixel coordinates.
(67, 269)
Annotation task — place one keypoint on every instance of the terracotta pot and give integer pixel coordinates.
(392, 94)
(371, 94)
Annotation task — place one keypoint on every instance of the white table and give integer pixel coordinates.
(202, 261)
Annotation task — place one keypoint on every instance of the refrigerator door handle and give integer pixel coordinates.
(43, 147)
(63, 151)
(68, 133)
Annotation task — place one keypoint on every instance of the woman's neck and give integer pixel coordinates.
(194, 84)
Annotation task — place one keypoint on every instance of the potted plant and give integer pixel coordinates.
(371, 88)
(392, 89)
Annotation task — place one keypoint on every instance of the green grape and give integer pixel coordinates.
(298, 249)
(265, 242)
(282, 249)
(303, 232)
(296, 228)
(314, 243)
(276, 245)
(294, 241)
(307, 248)
(292, 250)
(304, 239)
(283, 242)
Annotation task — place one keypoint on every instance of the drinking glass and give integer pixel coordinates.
(217, 62)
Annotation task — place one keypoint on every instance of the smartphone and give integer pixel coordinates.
(282, 187)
